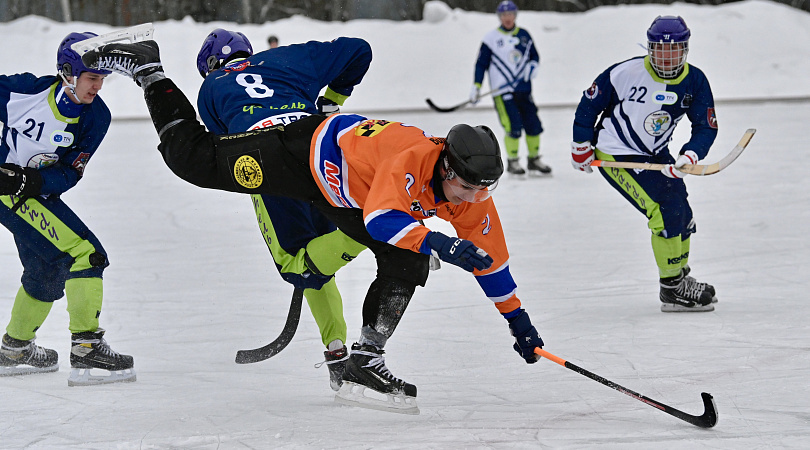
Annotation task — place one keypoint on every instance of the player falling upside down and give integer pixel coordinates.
(243, 91)
(375, 180)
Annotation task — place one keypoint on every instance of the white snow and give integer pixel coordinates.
(191, 281)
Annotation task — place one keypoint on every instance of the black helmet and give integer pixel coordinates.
(474, 155)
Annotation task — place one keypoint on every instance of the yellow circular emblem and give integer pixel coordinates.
(248, 172)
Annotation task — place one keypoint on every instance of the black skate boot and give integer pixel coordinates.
(536, 166)
(23, 357)
(336, 362)
(513, 167)
(679, 295)
(91, 351)
(365, 369)
(136, 60)
(695, 284)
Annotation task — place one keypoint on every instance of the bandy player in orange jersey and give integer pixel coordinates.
(375, 180)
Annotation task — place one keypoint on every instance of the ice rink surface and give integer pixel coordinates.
(191, 282)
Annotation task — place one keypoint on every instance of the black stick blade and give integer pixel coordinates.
(281, 342)
(709, 417)
(437, 108)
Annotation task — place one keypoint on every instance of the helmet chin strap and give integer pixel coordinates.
(71, 86)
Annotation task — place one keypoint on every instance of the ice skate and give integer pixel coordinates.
(336, 363)
(513, 167)
(698, 285)
(680, 295)
(94, 362)
(368, 383)
(537, 167)
(24, 357)
(136, 60)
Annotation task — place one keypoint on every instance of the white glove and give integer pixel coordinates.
(582, 156)
(530, 71)
(671, 170)
(475, 94)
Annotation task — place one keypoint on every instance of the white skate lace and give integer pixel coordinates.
(100, 345)
(378, 362)
(695, 284)
(121, 64)
(689, 291)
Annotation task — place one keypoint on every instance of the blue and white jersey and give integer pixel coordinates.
(639, 110)
(45, 130)
(504, 56)
(280, 85)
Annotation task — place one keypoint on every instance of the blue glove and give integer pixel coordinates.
(459, 252)
(526, 337)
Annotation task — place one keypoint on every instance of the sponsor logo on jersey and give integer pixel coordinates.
(61, 138)
(331, 173)
(665, 98)
(657, 123)
(592, 92)
(237, 67)
(279, 119)
(711, 118)
(371, 128)
(416, 206)
(248, 172)
(80, 162)
(42, 160)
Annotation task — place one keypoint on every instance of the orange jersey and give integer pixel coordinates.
(386, 169)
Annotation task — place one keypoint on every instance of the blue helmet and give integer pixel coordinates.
(68, 62)
(219, 46)
(668, 60)
(506, 6)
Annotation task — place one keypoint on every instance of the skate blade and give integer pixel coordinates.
(133, 34)
(669, 307)
(84, 377)
(8, 371)
(353, 394)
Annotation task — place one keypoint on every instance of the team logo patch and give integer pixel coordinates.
(371, 128)
(657, 123)
(248, 172)
(592, 92)
(665, 98)
(61, 138)
(80, 162)
(711, 118)
(42, 160)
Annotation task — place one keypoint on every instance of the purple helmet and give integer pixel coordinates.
(68, 62)
(667, 45)
(218, 47)
(506, 6)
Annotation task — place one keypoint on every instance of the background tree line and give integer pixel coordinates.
(130, 12)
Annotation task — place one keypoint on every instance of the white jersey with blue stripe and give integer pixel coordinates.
(504, 56)
(639, 110)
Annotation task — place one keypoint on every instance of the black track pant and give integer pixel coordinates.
(276, 161)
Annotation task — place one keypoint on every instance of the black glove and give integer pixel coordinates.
(526, 337)
(20, 181)
(459, 252)
(326, 106)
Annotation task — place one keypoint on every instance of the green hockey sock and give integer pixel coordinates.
(84, 297)
(326, 306)
(533, 142)
(669, 255)
(27, 315)
(332, 251)
(512, 145)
